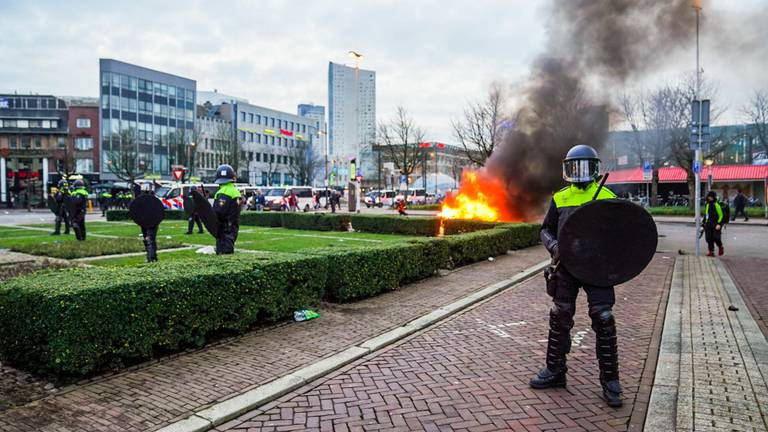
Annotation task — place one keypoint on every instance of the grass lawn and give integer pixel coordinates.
(37, 239)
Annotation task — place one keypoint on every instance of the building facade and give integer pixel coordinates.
(83, 140)
(33, 134)
(157, 108)
(319, 133)
(214, 125)
(270, 140)
(351, 118)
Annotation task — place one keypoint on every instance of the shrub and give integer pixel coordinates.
(122, 215)
(424, 207)
(77, 321)
(479, 245)
(460, 226)
(92, 246)
(391, 224)
(754, 212)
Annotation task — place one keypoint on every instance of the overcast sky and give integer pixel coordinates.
(429, 56)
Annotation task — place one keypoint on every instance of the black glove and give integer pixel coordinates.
(556, 251)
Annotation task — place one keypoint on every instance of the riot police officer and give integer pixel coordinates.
(194, 217)
(581, 169)
(60, 196)
(79, 197)
(226, 205)
(149, 234)
(713, 224)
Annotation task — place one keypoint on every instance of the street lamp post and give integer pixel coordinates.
(697, 154)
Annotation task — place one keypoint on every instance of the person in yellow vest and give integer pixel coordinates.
(581, 168)
(79, 197)
(713, 224)
(226, 205)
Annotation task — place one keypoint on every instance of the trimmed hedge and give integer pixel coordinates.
(79, 321)
(122, 215)
(753, 212)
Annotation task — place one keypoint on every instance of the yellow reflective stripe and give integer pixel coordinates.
(269, 131)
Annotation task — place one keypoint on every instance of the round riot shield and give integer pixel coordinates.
(53, 206)
(189, 205)
(146, 211)
(607, 242)
(206, 214)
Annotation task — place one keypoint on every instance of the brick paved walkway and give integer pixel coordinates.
(714, 363)
(751, 276)
(471, 372)
(156, 394)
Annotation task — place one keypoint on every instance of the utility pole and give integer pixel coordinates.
(697, 155)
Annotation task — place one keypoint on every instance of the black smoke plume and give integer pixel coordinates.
(603, 42)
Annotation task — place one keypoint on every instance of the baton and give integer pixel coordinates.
(599, 188)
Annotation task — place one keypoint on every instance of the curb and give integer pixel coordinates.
(221, 412)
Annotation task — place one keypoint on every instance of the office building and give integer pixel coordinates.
(319, 132)
(215, 125)
(33, 135)
(351, 119)
(83, 139)
(157, 107)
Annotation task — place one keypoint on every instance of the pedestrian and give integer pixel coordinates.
(79, 197)
(226, 206)
(401, 207)
(713, 224)
(316, 200)
(581, 169)
(333, 201)
(60, 196)
(740, 204)
(293, 201)
(306, 208)
(194, 217)
(261, 201)
(149, 234)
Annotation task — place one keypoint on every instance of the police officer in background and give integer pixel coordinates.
(62, 216)
(79, 197)
(149, 234)
(226, 205)
(581, 169)
(713, 224)
(193, 216)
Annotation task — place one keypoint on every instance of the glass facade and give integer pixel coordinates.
(158, 112)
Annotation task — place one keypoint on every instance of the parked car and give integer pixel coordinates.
(373, 199)
(417, 196)
(387, 197)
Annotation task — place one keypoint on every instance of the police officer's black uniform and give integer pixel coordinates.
(79, 197)
(62, 215)
(149, 235)
(581, 168)
(194, 217)
(226, 206)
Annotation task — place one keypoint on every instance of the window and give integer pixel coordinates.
(242, 136)
(84, 143)
(258, 138)
(38, 143)
(83, 123)
(273, 121)
(258, 157)
(250, 136)
(62, 142)
(258, 118)
(84, 165)
(12, 142)
(242, 116)
(9, 123)
(250, 117)
(279, 158)
(22, 124)
(105, 78)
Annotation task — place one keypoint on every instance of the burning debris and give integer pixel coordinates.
(600, 41)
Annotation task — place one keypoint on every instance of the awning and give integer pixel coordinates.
(720, 173)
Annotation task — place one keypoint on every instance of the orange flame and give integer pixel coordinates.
(480, 197)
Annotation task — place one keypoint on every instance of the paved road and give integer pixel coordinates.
(471, 372)
(739, 240)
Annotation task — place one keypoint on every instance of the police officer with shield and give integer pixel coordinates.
(580, 169)
(226, 205)
(78, 201)
(193, 216)
(60, 196)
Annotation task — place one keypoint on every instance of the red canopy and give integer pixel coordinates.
(720, 173)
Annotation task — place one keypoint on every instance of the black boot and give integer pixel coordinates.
(606, 349)
(558, 345)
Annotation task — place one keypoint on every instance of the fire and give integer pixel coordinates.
(480, 197)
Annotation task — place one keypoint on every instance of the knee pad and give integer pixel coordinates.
(603, 320)
(562, 314)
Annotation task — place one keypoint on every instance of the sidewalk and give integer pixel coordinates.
(713, 366)
(691, 220)
(158, 393)
(471, 372)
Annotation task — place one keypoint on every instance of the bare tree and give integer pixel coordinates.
(756, 113)
(125, 162)
(655, 117)
(65, 161)
(229, 146)
(483, 125)
(184, 145)
(400, 139)
(271, 168)
(303, 163)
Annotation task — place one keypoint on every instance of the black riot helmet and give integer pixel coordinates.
(63, 184)
(224, 174)
(78, 184)
(581, 164)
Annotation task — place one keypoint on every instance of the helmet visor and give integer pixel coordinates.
(581, 170)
